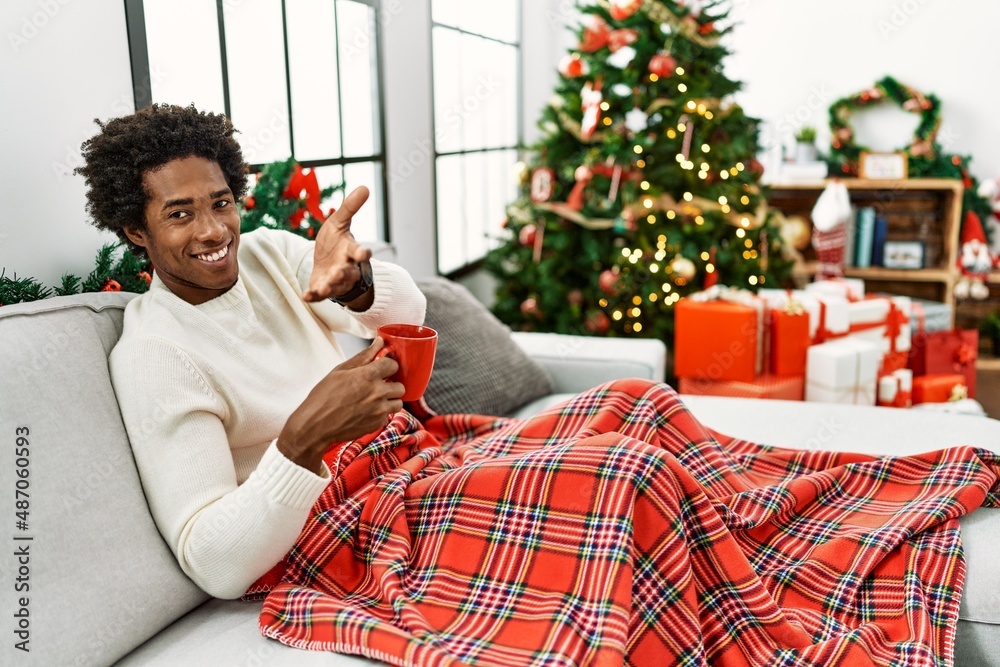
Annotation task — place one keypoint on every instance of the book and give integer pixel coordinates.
(849, 242)
(878, 242)
(865, 237)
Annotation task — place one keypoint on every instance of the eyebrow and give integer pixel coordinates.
(189, 201)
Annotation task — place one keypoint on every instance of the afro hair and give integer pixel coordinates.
(116, 159)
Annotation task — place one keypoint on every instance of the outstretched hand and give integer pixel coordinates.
(337, 253)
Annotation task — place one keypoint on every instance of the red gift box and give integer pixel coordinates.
(939, 388)
(715, 340)
(764, 386)
(946, 352)
(790, 342)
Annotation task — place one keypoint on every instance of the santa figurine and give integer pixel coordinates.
(974, 261)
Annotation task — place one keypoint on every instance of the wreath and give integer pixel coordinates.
(845, 154)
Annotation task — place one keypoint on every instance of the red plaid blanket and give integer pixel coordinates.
(616, 529)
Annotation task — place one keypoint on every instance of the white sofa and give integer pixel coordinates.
(105, 589)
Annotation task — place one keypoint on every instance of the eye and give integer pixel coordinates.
(222, 203)
(177, 215)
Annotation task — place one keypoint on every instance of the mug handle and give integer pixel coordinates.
(386, 351)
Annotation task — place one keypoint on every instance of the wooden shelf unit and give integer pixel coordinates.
(925, 209)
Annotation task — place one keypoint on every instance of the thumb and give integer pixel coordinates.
(365, 356)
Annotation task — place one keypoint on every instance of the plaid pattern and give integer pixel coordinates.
(616, 529)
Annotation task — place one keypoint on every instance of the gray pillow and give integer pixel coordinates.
(478, 368)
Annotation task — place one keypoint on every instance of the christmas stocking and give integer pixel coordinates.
(830, 217)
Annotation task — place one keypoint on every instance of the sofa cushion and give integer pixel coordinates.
(478, 368)
(97, 567)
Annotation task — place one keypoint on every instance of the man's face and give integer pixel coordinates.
(192, 228)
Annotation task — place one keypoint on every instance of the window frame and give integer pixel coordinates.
(142, 91)
(473, 265)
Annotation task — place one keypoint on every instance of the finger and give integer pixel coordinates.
(337, 280)
(351, 205)
(359, 253)
(384, 367)
(394, 391)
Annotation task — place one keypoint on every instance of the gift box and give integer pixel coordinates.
(930, 316)
(828, 315)
(852, 289)
(789, 341)
(764, 386)
(882, 320)
(895, 390)
(939, 388)
(718, 339)
(946, 352)
(843, 371)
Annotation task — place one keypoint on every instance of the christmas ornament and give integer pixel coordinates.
(249, 203)
(111, 286)
(683, 268)
(527, 235)
(662, 65)
(574, 298)
(636, 120)
(543, 182)
(621, 90)
(597, 322)
(622, 37)
(622, 58)
(145, 277)
(608, 281)
(830, 216)
(529, 307)
(596, 34)
(626, 222)
(975, 261)
(795, 232)
(583, 176)
(573, 66)
(591, 98)
(622, 9)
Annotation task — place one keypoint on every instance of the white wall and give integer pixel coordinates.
(796, 58)
(62, 64)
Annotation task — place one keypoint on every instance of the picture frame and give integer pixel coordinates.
(907, 255)
(884, 166)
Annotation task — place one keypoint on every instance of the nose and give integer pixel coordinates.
(209, 229)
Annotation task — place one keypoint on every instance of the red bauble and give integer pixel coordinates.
(249, 203)
(662, 65)
(622, 37)
(596, 34)
(543, 183)
(707, 28)
(573, 66)
(622, 9)
(111, 286)
(529, 307)
(575, 298)
(145, 277)
(755, 167)
(597, 323)
(527, 235)
(608, 282)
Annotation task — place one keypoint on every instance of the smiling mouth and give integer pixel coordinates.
(215, 256)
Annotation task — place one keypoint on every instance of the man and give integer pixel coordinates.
(230, 382)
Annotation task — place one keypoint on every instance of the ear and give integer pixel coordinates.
(136, 236)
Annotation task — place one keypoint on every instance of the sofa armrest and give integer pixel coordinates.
(577, 363)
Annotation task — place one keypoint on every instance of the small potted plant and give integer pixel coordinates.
(805, 145)
(990, 329)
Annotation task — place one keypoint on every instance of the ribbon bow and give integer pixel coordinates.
(958, 393)
(964, 356)
(300, 182)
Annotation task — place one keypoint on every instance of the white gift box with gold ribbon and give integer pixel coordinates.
(843, 371)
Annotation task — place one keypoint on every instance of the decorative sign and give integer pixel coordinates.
(884, 166)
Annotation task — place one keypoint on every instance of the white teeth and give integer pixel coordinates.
(215, 256)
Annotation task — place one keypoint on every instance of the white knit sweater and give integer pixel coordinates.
(205, 390)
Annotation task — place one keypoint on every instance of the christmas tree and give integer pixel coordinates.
(644, 187)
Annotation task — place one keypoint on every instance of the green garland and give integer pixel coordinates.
(846, 154)
(118, 269)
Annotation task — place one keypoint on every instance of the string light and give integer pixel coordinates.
(641, 164)
(739, 166)
(763, 279)
(626, 252)
(660, 255)
(705, 148)
(644, 185)
(748, 242)
(740, 233)
(671, 215)
(691, 105)
(653, 297)
(680, 158)
(616, 316)
(682, 88)
(648, 203)
(745, 222)
(744, 200)
(753, 280)
(671, 133)
(724, 175)
(654, 78)
(605, 106)
(603, 303)
(681, 127)
(710, 268)
(688, 196)
(723, 201)
(607, 120)
(651, 218)
(679, 71)
(702, 108)
(705, 256)
(637, 300)
(709, 115)
(734, 171)
(726, 209)
(638, 149)
(635, 312)
(746, 254)
(699, 220)
(704, 167)
(654, 268)
(702, 175)
(637, 327)
(666, 287)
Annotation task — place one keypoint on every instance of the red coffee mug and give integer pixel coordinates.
(413, 348)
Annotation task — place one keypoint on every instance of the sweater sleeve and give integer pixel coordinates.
(224, 535)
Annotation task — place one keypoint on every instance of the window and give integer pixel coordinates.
(298, 78)
(477, 123)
